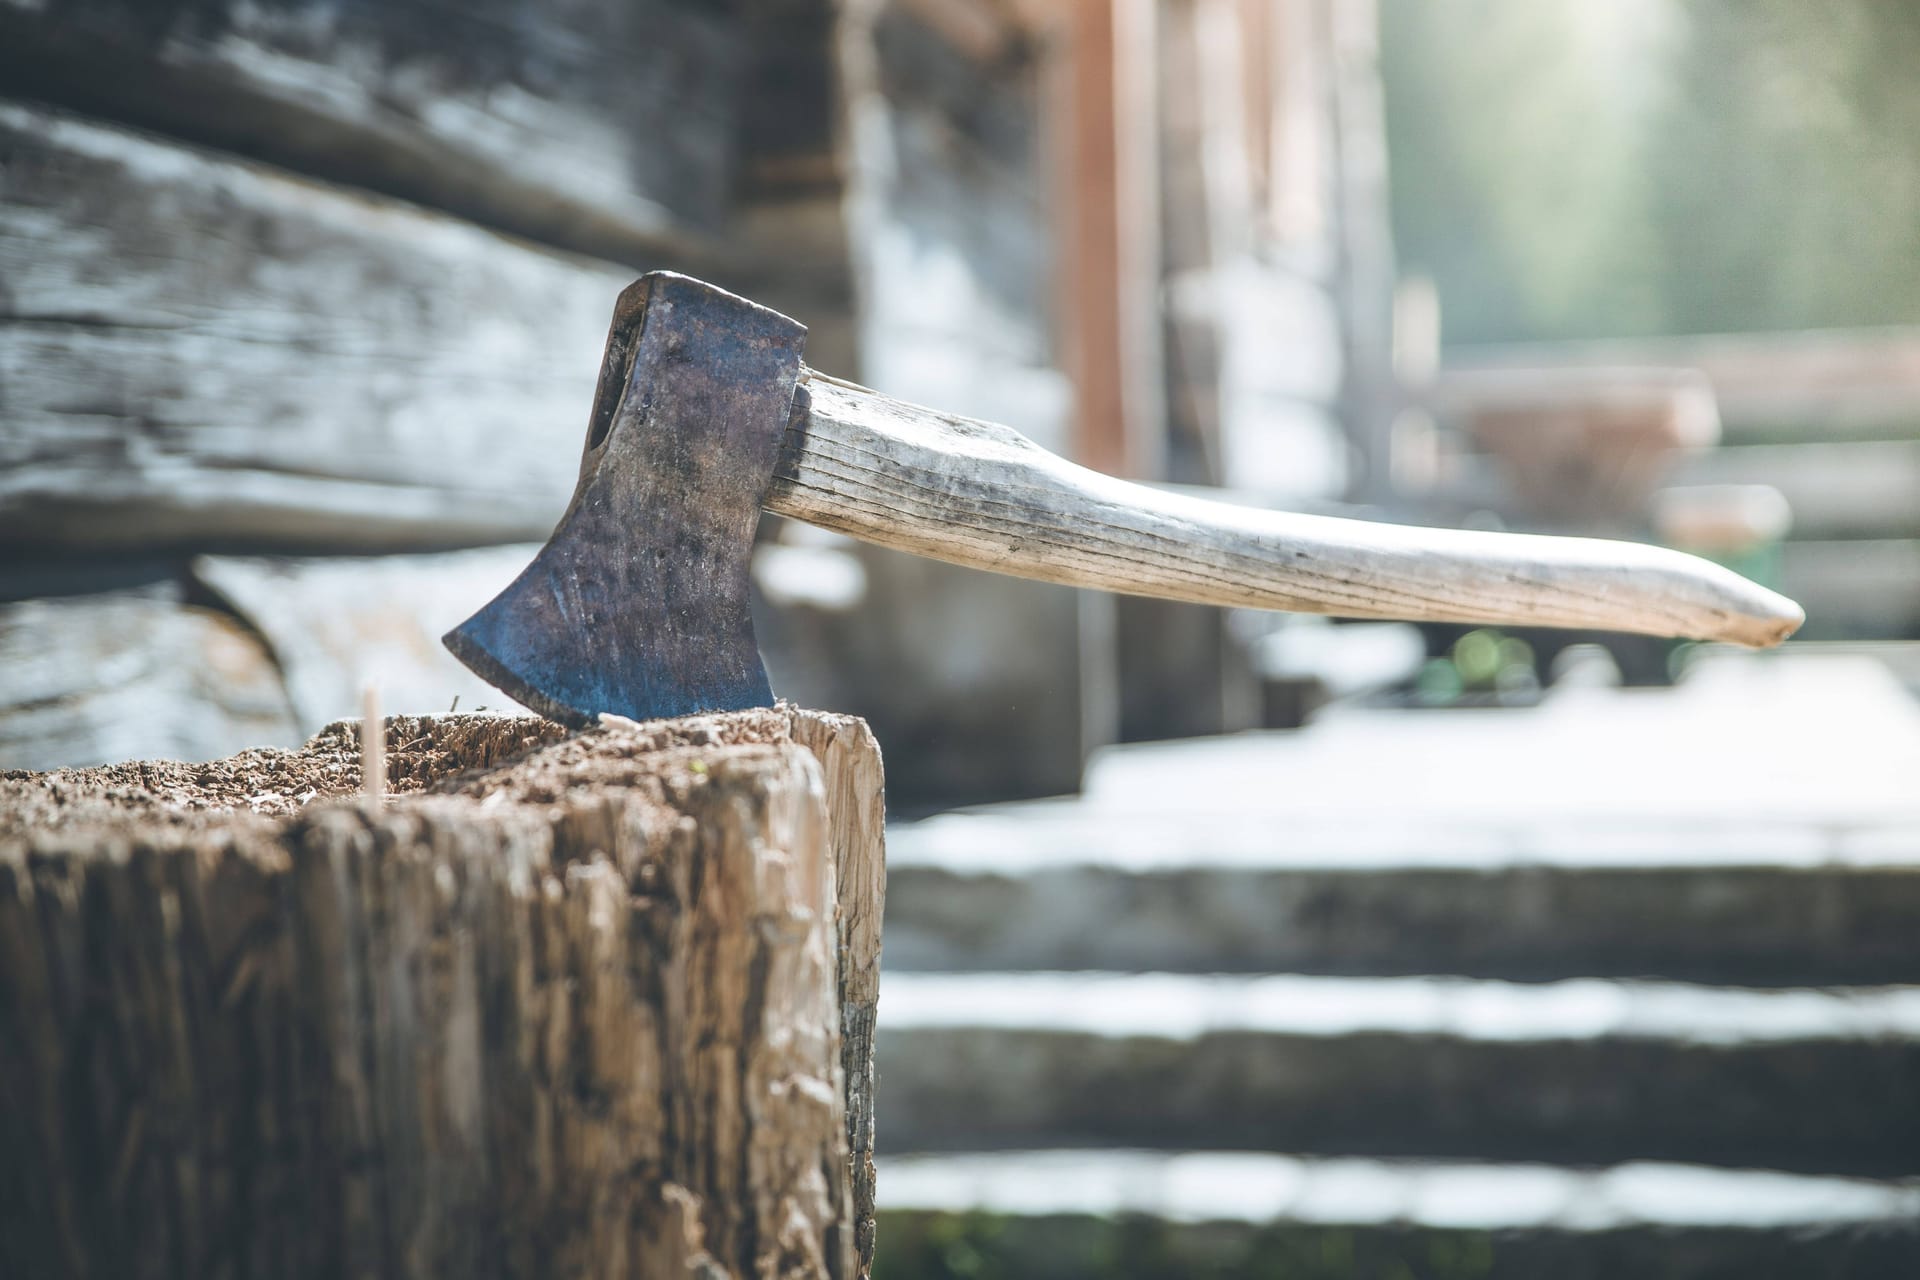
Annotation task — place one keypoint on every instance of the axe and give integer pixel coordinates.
(704, 416)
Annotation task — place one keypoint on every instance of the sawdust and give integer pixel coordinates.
(525, 759)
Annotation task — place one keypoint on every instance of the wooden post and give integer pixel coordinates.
(603, 1009)
(1109, 234)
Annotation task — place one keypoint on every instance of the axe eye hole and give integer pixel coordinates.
(616, 368)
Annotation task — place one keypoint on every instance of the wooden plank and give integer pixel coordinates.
(1108, 230)
(1366, 273)
(575, 1013)
(1859, 489)
(1815, 384)
(952, 240)
(1864, 590)
(90, 679)
(605, 126)
(982, 30)
(336, 625)
(198, 351)
(849, 759)
(1796, 1080)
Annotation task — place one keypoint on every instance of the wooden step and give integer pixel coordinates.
(1751, 923)
(1716, 832)
(1585, 1071)
(1065, 1215)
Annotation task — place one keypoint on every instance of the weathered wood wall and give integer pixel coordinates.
(982, 686)
(333, 279)
(199, 351)
(327, 279)
(608, 126)
(1266, 297)
(576, 1013)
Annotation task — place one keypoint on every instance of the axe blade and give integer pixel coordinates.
(638, 604)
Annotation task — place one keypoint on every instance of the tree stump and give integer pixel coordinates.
(562, 1005)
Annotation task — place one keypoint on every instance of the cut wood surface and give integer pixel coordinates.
(604, 126)
(561, 1006)
(980, 494)
(199, 351)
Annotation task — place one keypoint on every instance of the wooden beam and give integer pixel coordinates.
(201, 352)
(1109, 235)
(91, 679)
(603, 126)
(1865, 590)
(982, 30)
(1816, 384)
(1370, 400)
(1860, 489)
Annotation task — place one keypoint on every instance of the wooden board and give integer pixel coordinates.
(1862, 590)
(198, 352)
(1865, 488)
(338, 624)
(577, 1012)
(1818, 384)
(91, 679)
(605, 126)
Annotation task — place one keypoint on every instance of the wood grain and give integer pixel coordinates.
(850, 765)
(980, 494)
(114, 675)
(603, 126)
(204, 352)
(336, 624)
(576, 1013)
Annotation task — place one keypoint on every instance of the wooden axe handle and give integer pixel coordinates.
(983, 495)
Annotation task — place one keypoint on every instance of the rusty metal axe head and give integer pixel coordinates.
(638, 604)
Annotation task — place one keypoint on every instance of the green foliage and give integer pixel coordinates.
(1567, 169)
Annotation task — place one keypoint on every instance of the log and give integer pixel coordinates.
(605, 126)
(337, 624)
(560, 1006)
(89, 679)
(201, 352)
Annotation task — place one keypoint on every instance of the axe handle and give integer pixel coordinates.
(982, 495)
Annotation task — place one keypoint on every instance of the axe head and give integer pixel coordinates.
(637, 605)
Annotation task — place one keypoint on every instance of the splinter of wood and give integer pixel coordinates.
(373, 745)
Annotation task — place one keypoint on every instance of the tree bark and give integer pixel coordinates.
(601, 1009)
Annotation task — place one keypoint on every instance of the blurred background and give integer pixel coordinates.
(1220, 944)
